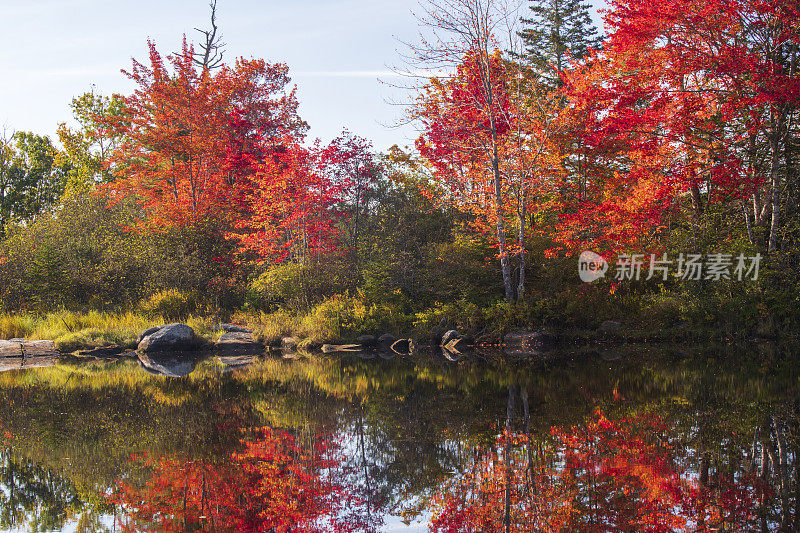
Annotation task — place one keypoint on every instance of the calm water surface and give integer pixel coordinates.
(631, 439)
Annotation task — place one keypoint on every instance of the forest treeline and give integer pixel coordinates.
(201, 193)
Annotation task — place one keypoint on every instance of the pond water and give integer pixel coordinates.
(630, 439)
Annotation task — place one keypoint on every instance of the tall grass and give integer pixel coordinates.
(12, 326)
(337, 319)
(73, 331)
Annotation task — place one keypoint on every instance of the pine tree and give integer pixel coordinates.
(558, 31)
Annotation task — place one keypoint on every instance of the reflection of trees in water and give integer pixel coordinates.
(274, 483)
(638, 472)
(37, 499)
(409, 432)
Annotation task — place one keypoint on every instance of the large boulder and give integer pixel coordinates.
(148, 332)
(171, 337)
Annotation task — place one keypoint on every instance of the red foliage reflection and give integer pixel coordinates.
(273, 484)
(601, 477)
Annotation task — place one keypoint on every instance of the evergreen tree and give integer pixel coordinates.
(558, 31)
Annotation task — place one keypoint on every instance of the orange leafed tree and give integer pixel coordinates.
(193, 137)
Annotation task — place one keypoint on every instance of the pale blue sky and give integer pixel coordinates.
(336, 51)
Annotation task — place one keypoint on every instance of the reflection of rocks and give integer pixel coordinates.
(456, 343)
(18, 354)
(19, 363)
(235, 362)
(330, 348)
(289, 343)
(168, 338)
(236, 348)
(170, 364)
(403, 346)
(451, 356)
(611, 356)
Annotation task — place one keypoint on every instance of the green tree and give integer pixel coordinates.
(31, 178)
(88, 147)
(556, 32)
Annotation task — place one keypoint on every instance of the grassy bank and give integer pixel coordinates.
(73, 331)
(575, 315)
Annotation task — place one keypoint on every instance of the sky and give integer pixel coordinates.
(340, 53)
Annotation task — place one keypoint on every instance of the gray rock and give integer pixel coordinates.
(238, 341)
(233, 362)
(172, 337)
(290, 342)
(366, 340)
(450, 335)
(235, 336)
(387, 338)
(148, 331)
(25, 348)
(609, 326)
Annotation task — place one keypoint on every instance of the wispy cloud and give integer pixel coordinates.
(369, 74)
(345, 73)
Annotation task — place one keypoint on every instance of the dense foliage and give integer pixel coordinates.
(200, 191)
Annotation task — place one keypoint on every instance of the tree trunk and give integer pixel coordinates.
(521, 243)
(774, 177)
(508, 284)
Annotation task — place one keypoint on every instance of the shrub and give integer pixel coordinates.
(171, 304)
